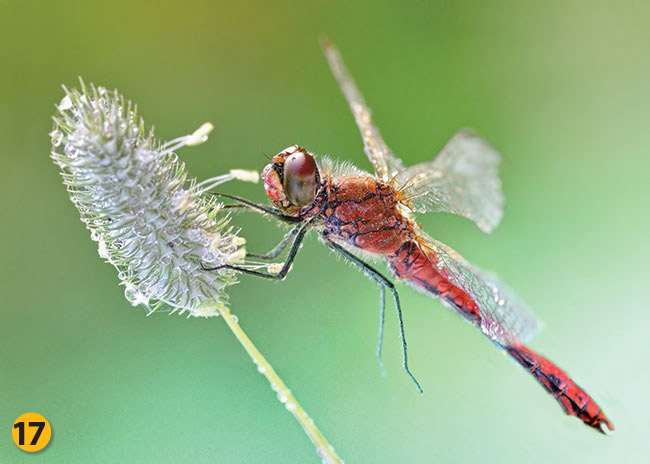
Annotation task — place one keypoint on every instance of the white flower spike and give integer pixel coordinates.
(151, 222)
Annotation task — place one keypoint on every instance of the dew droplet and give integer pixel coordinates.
(57, 137)
(103, 250)
(65, 104)
(135, 297)
(70, 151)
(129, 293)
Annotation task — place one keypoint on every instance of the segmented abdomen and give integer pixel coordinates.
(412, 264)
(573, 399)
(417, 267)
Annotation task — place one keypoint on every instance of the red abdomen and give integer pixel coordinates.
(573, 399)
(412, 264)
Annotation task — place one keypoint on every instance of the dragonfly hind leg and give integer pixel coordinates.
(380, 337)
(385, 284)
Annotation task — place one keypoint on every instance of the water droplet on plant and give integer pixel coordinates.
(103, 250)
(130, 293)
(134, 296)
(70, 151)
(56, 136)
(65, 104)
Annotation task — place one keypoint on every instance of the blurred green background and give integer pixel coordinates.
(561, 88)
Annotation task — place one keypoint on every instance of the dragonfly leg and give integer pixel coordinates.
(261, 208)
(280, 247)
(385, 284)
(295, 246)
(382, 317)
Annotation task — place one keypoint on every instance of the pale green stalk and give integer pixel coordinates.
(324, 449)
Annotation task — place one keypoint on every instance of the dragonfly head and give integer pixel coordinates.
(291, 179)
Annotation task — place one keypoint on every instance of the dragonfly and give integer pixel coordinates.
(363, 216)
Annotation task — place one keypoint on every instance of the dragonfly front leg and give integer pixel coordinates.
(375, 275)
(295, 246)
(257, 207)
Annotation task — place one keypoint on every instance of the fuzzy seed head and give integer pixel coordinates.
(150, 221)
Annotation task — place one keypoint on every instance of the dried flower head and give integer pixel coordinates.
(151, 222)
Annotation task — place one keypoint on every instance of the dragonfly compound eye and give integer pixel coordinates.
(299, 179)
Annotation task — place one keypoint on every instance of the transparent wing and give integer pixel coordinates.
(504, 318)
(462, 179)
(386, 165)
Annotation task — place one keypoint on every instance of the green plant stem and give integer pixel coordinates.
(324, 449)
